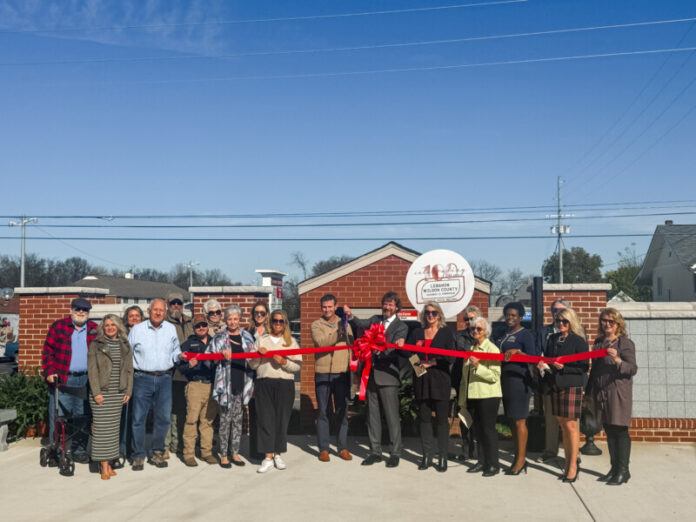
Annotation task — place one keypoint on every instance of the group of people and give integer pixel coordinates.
(137, 365)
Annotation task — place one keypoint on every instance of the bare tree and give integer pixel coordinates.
(298, 259)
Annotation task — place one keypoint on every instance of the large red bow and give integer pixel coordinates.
(373, 339)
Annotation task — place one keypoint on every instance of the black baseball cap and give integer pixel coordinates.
(81, 302)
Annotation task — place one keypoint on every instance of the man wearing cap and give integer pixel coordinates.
(184, 330)
(156, 349)
(64, 363)
(201, 408)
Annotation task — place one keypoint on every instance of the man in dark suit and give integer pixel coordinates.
(383, 383)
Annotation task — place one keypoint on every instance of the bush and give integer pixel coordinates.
(27, 393)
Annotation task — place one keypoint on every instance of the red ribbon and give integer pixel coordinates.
(373, 340)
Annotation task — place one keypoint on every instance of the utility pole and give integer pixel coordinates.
(559, 229)
(190, 266)
(23, 223)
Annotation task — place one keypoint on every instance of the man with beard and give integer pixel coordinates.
(64, 363)
(184, 330)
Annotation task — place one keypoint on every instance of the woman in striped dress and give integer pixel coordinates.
(110, 372)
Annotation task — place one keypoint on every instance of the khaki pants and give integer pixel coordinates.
(201, 410)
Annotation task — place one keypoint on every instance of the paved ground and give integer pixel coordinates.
(662, 487)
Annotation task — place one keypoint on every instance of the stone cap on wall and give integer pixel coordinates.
(37, 290)
(577, 287)
(653, 310)
(231, 289)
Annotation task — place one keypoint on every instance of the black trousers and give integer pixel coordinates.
(274, 399)
(619, 443)
(485, 413)
(425, 412)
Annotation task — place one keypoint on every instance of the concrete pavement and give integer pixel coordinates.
(662, 486)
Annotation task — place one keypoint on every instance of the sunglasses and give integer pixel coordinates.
(556, 310)
(466, 319)
(564, 322)
(260, 314)
(176, 302)
(477, 329)
(81, 309)
(608, 322)
(215, 312)
(201, 325)
(278, 321)
(431, 313)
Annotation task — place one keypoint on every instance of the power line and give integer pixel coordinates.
(368, 224)
(79, 249)
(266, 20)
(349, 48)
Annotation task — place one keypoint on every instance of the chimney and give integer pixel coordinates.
(669, 222)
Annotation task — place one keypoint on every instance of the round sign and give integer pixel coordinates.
(442, 276)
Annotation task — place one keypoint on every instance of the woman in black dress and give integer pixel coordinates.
(516, 381)
(432, 389)
(566, 382)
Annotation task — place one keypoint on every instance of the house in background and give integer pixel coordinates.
(127, 290)
(670, 264)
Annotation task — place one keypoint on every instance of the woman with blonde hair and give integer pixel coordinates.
(611, 386)
(259, 322)
(432, 388)
(110, 374)
(566, 382)
(274, 390)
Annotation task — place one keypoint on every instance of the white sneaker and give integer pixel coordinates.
(279, 463)
(265, 466)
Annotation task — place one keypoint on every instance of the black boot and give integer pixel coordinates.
(623, 456)
(425, 463)
(611, 443)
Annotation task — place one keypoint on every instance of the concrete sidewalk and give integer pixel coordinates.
(662, 487)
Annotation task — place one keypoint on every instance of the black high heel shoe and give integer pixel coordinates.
(523, 468)
(577, 475)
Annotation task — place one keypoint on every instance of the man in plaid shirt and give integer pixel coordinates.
(64, 363)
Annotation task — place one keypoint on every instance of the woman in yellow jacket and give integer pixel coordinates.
(480, 393)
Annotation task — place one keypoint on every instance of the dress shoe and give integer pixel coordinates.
(491, 471)
(210, 459)
(576, 477)
(621, 477)
(239, 463)
(138, 464)
(478, 468)
(393, 461)
(371, 459)
(324, 456)
(515, 473)
(425, 463)
(345, 454)
(226, 465)
(441, 465)
(190, 462)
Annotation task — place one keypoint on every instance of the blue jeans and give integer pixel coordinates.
(69, 406)
(326, 385)
(150, 392)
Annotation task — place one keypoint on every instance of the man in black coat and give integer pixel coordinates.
(383, 383)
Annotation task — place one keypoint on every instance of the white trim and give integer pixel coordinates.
(657, 310)
(231, 289)
(34, 290)
(270, 272)
(577, 287)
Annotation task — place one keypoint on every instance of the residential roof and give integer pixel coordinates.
(389, 249)
(133, 288)
(681, 239)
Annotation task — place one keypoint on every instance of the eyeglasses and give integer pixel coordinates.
(608, 322)
(431, 313)
(260, 313)
(201, 325)
(215, 312)
(564, 322)
(477, 329)
(278, 321)
(176, 302)
(81, 309)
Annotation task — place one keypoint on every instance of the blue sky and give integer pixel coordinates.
(121, 108)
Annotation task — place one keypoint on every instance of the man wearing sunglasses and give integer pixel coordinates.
(184, 330)
(64, 363)
(383, 384)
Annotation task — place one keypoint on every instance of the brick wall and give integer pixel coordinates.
(363, 288)
(244, 300)
(586, 304)
(660, 430)
(36, 314)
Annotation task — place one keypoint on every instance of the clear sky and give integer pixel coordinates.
(217, 107)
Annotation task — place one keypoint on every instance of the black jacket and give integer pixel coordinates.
(204, 371)
(436, 383)
(573, 373)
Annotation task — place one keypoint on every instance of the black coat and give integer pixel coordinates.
(573, 373)
(204, 371)
(436, 383)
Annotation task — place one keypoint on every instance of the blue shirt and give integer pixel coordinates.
(78, 346)
(154, 349)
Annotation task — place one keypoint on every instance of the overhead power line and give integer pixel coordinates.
(349, 48)
(266, 20)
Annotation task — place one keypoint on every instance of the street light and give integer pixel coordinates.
(190, 266)
(22, 223)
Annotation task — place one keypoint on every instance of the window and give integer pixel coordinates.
(659, 286)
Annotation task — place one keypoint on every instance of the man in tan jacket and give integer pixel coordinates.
(332, 377)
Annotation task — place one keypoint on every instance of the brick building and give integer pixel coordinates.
(361, 283)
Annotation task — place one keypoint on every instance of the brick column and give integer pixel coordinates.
(586, 299)
(38, 309)
(244, 296)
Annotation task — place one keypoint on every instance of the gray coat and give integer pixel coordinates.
(611, 384)
(385, 365)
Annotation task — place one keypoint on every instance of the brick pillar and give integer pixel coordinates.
(243, 296)
(586, 299)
